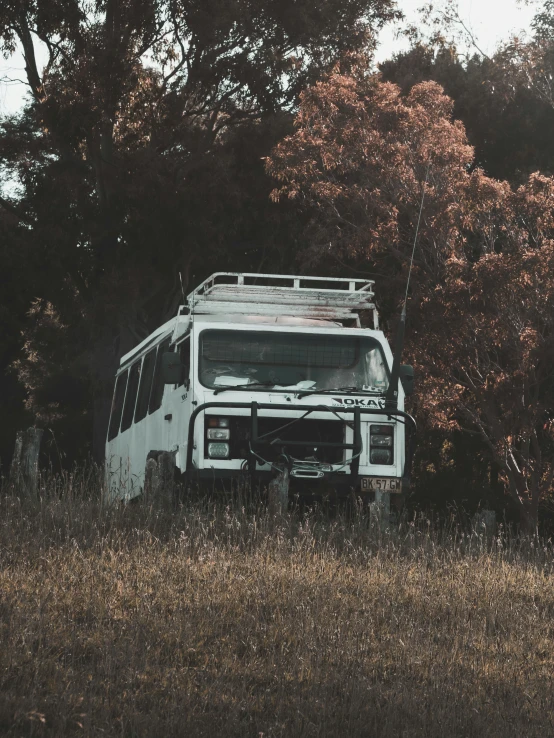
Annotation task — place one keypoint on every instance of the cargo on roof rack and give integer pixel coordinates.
(324, 298)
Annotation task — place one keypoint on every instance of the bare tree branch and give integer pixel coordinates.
(14, 210)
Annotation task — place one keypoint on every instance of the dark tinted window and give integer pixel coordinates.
(184, 353)
(117, 405)
(281, 349)
(158, 385)
(131, 396)
(145, 385)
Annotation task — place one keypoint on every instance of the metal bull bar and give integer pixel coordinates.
(356, 411)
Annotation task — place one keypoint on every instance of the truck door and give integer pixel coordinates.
(180, 405)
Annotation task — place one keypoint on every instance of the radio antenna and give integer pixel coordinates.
(415, 238)
(182, 288)
(391, 397)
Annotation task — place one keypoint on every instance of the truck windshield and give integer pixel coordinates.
(291, 361)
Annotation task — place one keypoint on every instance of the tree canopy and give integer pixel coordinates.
(129, 156)
(377, 164)
(175, 137)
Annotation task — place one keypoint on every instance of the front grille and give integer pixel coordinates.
(330, 431)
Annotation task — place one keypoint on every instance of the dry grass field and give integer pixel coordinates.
(216, 620)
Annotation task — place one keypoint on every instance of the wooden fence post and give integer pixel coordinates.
(24, 468)
(379, 511)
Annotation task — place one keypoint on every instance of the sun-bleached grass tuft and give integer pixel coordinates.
(220, 619)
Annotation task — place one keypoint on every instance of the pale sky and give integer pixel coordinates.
(490, 21)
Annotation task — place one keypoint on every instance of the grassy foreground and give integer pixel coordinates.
(219, 621)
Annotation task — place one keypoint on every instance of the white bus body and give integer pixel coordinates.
(269, 371)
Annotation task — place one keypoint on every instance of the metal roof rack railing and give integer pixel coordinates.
(324, 298)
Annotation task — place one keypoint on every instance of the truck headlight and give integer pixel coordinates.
(214, 421)
(381, 441)
(218, 434)
(380, 456)
(218, 450)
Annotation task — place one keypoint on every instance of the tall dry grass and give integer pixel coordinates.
(218, 619)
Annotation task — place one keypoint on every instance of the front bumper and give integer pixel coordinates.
(258, 443)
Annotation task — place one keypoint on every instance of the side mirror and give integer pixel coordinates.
(407, 378)
(172, 369)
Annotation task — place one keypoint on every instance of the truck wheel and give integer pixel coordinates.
(160, 476)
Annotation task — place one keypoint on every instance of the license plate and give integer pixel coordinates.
(380, 484)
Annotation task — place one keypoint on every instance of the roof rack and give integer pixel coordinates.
(323, 298)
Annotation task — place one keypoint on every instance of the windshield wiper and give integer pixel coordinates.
(267, 383)
(322, 391)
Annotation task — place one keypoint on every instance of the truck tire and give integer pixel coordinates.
(160, 477)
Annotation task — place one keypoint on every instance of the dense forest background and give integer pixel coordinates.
(192, 136)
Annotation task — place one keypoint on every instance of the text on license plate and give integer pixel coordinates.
(381, 484)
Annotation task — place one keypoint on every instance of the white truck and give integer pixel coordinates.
(265, 375)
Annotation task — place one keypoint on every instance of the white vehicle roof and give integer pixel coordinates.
(166, 328)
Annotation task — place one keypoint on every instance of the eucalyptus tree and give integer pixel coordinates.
(378, 167)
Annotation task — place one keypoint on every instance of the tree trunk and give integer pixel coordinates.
(24, 468)
(529, 517)
(100, 418)
(496, 484)
(527, 500)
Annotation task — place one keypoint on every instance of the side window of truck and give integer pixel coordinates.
(131, 396)
(145, 385)
(158, 386)
(184, 355)
(117, 405)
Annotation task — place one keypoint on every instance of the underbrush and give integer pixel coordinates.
(219, 618)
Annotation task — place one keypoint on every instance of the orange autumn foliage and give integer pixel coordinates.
(482, 315)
